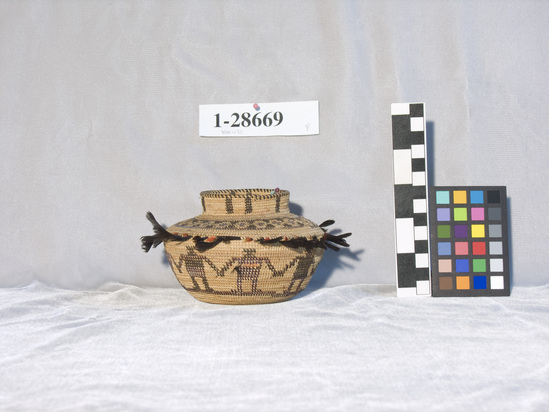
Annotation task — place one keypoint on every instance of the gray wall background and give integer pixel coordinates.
(99, 123)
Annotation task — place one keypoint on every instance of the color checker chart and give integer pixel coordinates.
(469, 241)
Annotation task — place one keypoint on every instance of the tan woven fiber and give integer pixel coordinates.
(255, 213)
(240, 272)
(245, 266)
(264, 202)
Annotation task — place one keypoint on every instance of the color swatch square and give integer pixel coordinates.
(446, 283)
(496, 265)
(442, 197)
(460, 196)
(477, 196)
(494, 213)
(479, 282)
(477, 231)
(479, 265)
(462, 248)
(462, 282)
(444, 248)
(462, 265)
(443, 214)
(497, 282)
(460, 213)
(445, 265)
(479, 248)
(494, 231)
(493, 196)
(471, 246)
(443, 231)
(477, 213)
(496, 248)
(461, 231)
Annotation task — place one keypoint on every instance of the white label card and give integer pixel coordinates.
(259, 119)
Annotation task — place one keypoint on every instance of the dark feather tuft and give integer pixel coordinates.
(330, 241)
(328, 238)
(337, 239)
(160, 235)
(327, 223)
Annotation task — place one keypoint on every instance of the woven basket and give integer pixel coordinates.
(245, 248)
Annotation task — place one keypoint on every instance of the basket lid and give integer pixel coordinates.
(254, 213)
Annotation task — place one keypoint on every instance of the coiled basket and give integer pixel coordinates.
(245, 248)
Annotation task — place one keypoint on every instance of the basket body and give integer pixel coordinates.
(251, 261)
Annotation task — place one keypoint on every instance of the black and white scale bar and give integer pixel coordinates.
(413, 277)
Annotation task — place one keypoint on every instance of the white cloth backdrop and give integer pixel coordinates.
(99, 124)
(347, 348)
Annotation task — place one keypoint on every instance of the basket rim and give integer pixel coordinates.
(259, 194)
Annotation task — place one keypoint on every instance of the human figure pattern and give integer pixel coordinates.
(410, 193)
(247, 268)
(194, 264)
(305, 268)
